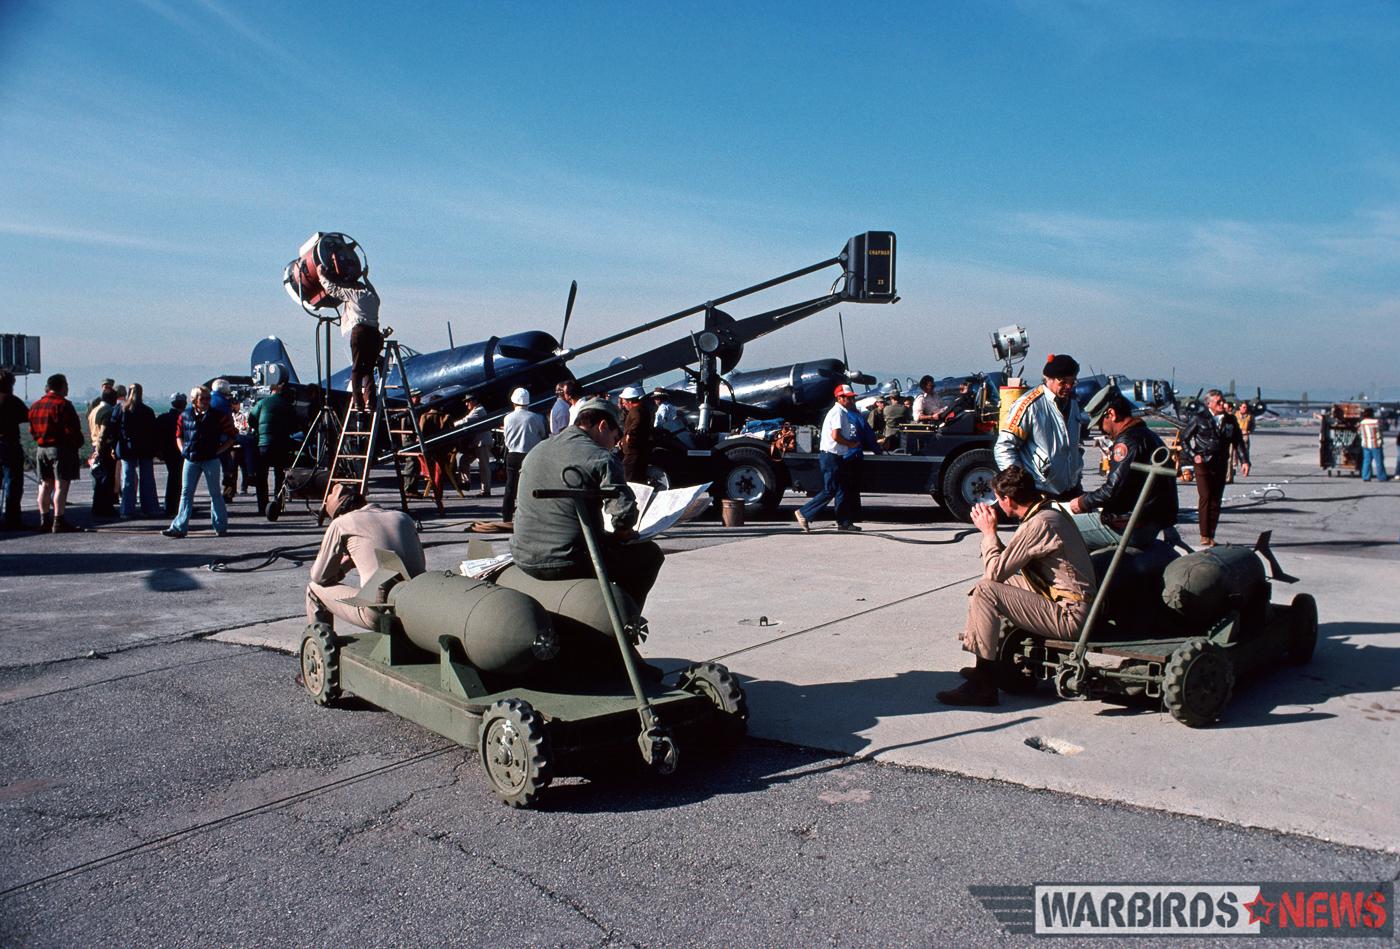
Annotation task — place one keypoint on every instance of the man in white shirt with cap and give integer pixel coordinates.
(523, 430)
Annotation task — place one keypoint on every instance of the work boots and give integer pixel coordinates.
(980, 689)
(46, 523)
(61, 526)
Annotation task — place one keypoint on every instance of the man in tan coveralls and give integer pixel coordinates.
(1042, 581)
(357, 529)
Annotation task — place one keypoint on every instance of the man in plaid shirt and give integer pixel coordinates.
(53, 422)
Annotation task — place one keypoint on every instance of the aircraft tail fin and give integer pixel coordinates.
(272, 350)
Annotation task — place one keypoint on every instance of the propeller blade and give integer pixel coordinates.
(568, 311)
(860, 378)
(841, 324)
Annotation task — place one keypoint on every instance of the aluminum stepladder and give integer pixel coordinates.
(357, 448)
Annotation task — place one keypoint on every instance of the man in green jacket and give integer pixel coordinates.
(275, 420)
(548, 542)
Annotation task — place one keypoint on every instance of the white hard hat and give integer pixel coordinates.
(520, 396)
(631, 392)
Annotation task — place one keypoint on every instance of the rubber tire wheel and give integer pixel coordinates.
(1302, 631)
(718, 684)
(320, 664)
(969, 473)
(750, 476)
(1197, 683)
(1013, 675)
(274, 511)
(514, 749)
(657, 478)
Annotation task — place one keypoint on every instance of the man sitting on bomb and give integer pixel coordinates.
(356, 530)
(548, 542)
(1041, 581)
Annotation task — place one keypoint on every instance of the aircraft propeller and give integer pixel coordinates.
(568, 312)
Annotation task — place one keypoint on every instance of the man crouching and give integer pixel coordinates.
(1042, 581)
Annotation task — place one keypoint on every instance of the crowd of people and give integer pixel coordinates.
(202, 435)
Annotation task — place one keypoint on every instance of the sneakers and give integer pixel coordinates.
(172, 533)
(849, 528)
(61, 526)
(803, 523)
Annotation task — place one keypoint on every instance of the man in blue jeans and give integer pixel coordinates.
(1372, 446)
(840, 458)
(203, 435)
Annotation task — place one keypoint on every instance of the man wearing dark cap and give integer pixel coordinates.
(1043, 430)
(548, 541)
(1133, 442)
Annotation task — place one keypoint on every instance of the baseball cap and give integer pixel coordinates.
(843, 390)
(597, 405)
(632, 392)
(520, 396)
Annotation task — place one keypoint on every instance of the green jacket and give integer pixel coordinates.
(275, 420)
(547, 533)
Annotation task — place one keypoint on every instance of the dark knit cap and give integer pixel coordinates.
(1060, 367)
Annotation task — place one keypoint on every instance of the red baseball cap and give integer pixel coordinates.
(844, 389)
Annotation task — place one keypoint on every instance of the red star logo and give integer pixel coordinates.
(1259, 910)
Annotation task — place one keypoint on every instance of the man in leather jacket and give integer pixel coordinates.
(1133, 442)
(1207, 439)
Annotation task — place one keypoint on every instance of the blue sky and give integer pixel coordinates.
(1208, 187)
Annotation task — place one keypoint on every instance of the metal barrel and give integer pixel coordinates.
(500, 630)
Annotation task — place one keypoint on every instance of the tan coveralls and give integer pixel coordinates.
(1042, 581)
(349, 544)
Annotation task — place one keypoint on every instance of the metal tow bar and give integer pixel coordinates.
(1072, 680)
(657, 745)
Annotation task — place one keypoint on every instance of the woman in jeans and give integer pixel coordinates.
(203, 435)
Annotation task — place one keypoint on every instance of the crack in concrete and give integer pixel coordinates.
(611, 936)
(146, 644)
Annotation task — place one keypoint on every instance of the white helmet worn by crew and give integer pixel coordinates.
(631, 392)
(520, 397)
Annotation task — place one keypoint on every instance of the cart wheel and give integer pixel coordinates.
(515, 752)
(1197, 683)
(751, 479)
(1016, 662)
(1302, 633)
(320, 664)
(718, 684)
(274, 510)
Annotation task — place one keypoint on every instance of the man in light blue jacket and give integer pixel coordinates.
(1043, 430)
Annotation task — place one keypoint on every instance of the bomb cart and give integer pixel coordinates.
(539, 678)
(1178, 630)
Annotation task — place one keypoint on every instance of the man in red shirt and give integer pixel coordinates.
(53, 422)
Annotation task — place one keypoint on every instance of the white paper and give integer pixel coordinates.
(662, 510)
(476, 569)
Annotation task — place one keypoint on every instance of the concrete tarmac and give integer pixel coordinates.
(162, 785)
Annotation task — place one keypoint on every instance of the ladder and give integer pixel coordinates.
(356, 449)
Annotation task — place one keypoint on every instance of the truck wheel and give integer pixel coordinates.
(1302, 630)
(320, 664)
(750, 477)
(968, 481)
(1197, 683)
(515, 752)
(657, 478)
(716, 683)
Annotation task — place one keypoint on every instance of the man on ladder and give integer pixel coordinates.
(359, 320)
(358, 447)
